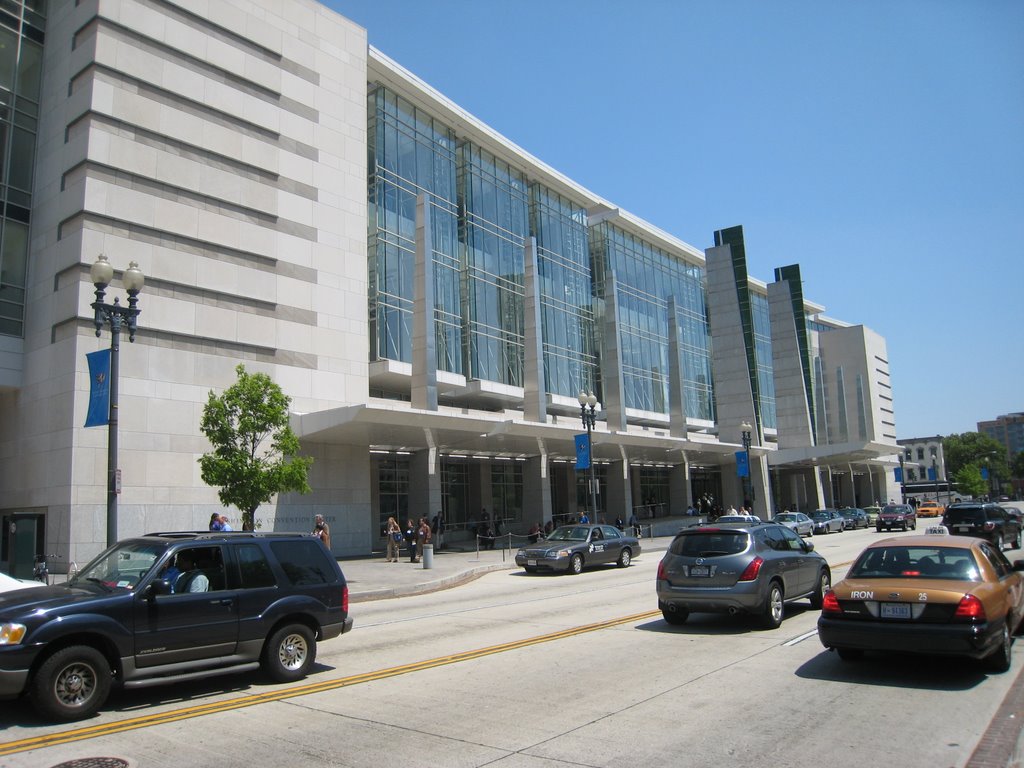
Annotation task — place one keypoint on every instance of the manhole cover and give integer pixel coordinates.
(94, 762)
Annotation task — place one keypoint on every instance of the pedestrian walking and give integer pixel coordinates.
(394, 536)
(410, 540)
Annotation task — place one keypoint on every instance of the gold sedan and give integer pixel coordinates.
(931, 594)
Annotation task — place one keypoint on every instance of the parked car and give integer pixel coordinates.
(571, 548)
(9, 583)
(892, 516)
(796, 521)
(986, 520)
(828, 521)
(854, 517)
(932, 594)
(167, 607)
(872, 513)
(930, 509)
(753, 569)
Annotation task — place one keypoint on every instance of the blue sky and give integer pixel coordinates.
(878, 143)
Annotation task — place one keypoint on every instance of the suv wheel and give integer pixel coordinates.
(774, 607)
(676, 617)
(824, 585)
(998, 543)
(73, 683)
(289, 653)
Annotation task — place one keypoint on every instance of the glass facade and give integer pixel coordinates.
(494, 228)
(647, 276)
(21, 57)
(762, 333)
(410, 153)
(567, 313)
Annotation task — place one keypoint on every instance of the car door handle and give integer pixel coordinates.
(222, 601)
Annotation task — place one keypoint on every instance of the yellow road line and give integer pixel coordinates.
(185, 713)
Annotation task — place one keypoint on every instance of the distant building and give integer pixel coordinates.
(1007, 430)
(924, 468)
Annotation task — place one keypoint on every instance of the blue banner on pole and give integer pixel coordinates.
(742, 467)
(931, 473)
(582, 452)
(898, 472)
(99, 388)
(984, 473)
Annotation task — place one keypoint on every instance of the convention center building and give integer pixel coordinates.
(432, 298)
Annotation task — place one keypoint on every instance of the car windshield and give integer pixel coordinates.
(710, 543)
(893, 510)
(786, 518)
(569, 533)
(821, 515)
(121, 566)
(916, 562)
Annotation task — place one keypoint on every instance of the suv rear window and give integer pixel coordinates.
(710, 543)
(304, 562)
(973, 515)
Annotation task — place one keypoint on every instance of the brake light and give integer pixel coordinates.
(751, 571)
(970, 609)
(344, 599)
(661, 571)
(989, 526)
(831, 603)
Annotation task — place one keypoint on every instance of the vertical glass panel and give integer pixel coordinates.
(29, 70)
(22, 154)
(8, 57)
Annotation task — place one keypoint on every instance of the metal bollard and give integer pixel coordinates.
(428, 556)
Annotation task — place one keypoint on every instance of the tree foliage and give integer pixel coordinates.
(969, 481)
(977, 449)
(254, 452)
(1017, 470)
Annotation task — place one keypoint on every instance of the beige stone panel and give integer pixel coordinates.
(295, 337)
(291, 166)
(172, 371)
(294, 250)
(169, 469)
(253, 194)
(220, 276)
(294, 382)
(127, 204)
(135, 16)
(177, 124)
(179, 218)
(259, 330)
(169, 314)
(294, 208)
(298, 128)
(216, 322)
(215, 228)
(166, 417)
(257, 284)
(258, 152)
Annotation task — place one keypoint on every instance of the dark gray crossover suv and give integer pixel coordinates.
(167, 607)
(985, 520)
(739, 568)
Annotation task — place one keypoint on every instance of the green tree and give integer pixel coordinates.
(974, 448)
(1017, 469)
(254, 448)
(969, 481)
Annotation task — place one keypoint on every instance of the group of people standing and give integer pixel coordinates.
(219, 522)
(414, 536)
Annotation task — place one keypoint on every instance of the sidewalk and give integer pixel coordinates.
(373, 578)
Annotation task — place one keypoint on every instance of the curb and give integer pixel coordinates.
(434, 585)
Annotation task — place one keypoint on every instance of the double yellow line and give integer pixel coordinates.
(185, 713)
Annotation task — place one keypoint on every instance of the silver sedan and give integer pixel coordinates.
(796, 521)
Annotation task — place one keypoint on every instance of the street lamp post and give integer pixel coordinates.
(588, 414)
(745, 426)
(117, 316)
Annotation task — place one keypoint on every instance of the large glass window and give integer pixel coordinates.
(762, 333)
(410, 153)
(507, 492)
(493, 196)
(647, 276)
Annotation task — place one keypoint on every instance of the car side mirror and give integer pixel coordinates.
(157, 587)
(808, 545)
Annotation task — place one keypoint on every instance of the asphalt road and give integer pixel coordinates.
(525, 671)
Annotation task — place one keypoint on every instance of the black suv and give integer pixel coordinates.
(167, 607)
(988, 521)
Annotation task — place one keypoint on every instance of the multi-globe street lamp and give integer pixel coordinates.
(748, 495)
(117, 316)
(588, 414)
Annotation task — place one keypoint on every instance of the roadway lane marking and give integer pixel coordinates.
(185, 713)
(800, 638)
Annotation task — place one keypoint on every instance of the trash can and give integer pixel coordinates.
(428, 556)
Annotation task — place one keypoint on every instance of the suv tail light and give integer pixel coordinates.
(751, 571)
(344, 599)
(990, 526)
(831, 603)
(970, 609)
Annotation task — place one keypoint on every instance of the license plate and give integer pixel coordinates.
(895, 611)
(531, 562)
(700, 570)
(963, 528)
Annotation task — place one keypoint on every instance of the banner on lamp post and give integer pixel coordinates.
(99, 388)
(582, 452)
(742, 467)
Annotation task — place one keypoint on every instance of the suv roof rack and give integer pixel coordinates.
(223, 534)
